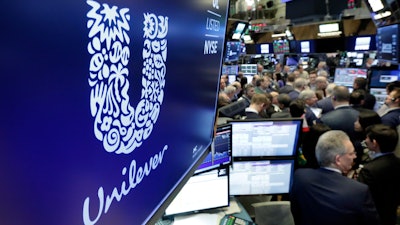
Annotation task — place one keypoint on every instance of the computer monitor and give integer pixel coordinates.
(362, 43)
(203, 191)
(387, 39)
(250, 69)
(261, 177)
(265, 138)
(281, 46)
(346, 76)
(233, 50)
(221, 149)
(265, 48)
(305, 46)
(230, 69)
(380, 95)
(380, 77)
(292, 61)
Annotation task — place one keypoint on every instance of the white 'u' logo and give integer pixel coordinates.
(119, 125)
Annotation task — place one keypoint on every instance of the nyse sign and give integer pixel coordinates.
(213, 26)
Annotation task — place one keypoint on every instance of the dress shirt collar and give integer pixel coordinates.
(379, 154)
(250, 110)
(332, 169)
(342, 106)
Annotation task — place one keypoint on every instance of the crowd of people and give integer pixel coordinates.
(349, 141)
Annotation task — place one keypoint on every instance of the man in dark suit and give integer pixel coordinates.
(343, 116)
(283, 103)
(259, 103)
(382, 174)
(312, 114)
(299, 85)
(289, 84)
(392, 115)
(326, 103)
(324, 195)
(360, 83)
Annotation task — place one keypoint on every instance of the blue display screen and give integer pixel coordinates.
(233, 51)
(106, 106)
(387, 43)
(379, 78)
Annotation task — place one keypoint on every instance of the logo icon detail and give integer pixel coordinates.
(119, 125)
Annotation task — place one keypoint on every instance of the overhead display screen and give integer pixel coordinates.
(387, 43)
(94, 125)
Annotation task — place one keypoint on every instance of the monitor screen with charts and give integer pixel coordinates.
(203, 191)
(265, 138)
(221, 149)
(346, 76)
(261, 177)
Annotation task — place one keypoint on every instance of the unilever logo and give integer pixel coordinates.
(121, 126)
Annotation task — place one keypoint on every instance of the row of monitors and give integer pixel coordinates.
(234, 49)
(385, 42)
(212, 189)
(247, 157)
(378, 78)
(253, 139)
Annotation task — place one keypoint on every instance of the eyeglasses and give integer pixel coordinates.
(349, 153)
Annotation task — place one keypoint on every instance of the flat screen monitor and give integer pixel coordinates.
(250, 69)
(265, 48)
(203, 191)
(281, 46)
(380, 95)
(346, 76)
(292, 61)
(261, 177)
(265, 138)
(361, 43)
(221, 149)
(387, 39)
(230, 69)
(379, 78)
(306, 46)
(233, 50)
